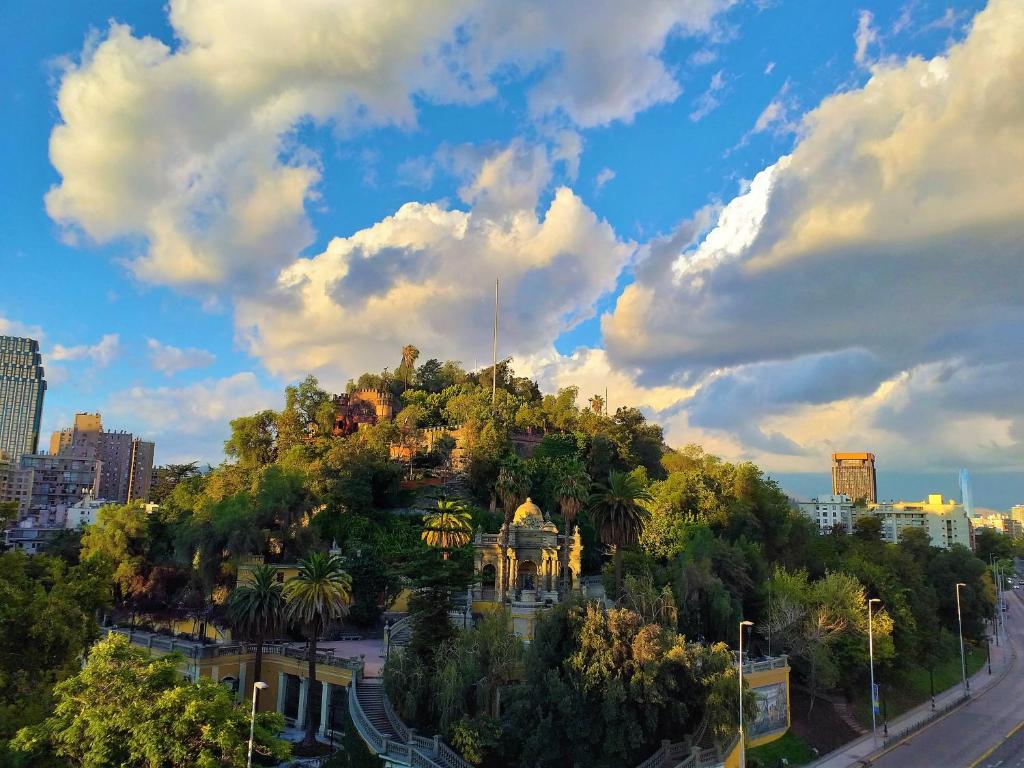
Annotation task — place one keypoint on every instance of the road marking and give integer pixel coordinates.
(994, 747)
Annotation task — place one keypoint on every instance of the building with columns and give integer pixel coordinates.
(285, 669)
(532, 562)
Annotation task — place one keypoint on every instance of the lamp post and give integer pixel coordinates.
(871, 662)
(743, 749)
(256, 688)
(960, 630)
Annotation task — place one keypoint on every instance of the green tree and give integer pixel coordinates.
(257, 608)
(121, 536)
(48, 617)
(253, 441)
(319, 593)
(448, 528)
(167, 477)
(571, 488)
(618, 511)
(128, 709)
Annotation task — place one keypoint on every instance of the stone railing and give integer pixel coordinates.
(407, 748)
(191, 649)
(683, 754)
(763, 665)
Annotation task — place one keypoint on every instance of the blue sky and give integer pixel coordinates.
(202, 204)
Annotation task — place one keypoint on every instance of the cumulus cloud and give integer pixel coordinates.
(192, 149)
(426, 274)
(101, 354)
(189, 423)
(889, 240)
(170, 360)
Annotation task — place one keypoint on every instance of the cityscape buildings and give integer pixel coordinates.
(22, 387)
(126, 471)
(945, 521)
(853, 475)
(829, 511)
(996, 521)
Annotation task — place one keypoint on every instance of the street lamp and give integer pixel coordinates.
(871, 661)
(256, 688)
(960, 628)
(743, 750)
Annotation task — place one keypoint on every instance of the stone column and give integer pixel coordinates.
(300, 718)
(325, 708)
(241, 695)
(282, 681)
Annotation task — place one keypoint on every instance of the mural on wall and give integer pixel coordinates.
(772, 709)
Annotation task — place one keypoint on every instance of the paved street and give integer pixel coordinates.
(983, 733)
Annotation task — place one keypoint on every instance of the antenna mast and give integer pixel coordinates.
(494, 351)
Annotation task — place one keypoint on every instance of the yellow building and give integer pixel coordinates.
(284, 671)
(531, 563)
(945, 521)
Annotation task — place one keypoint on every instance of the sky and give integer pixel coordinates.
(780, 228)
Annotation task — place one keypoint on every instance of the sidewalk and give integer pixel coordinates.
(858, 751)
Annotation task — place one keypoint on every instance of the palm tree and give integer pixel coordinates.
(448, 528)
(257, 608)
(572, 486)
(409, 355)
(512, 486)
(319, 593)
(619, 515)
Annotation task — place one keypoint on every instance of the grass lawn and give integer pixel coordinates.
(790, 746)
(912, 687)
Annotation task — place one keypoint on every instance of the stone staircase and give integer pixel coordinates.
(371, 699)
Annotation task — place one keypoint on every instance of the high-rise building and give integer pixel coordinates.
(966, 494)
(22, 386)
(126, 461)
(853, 474)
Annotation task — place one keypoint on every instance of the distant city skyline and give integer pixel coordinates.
(995, 491)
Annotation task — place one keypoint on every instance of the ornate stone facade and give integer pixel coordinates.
(532, 561)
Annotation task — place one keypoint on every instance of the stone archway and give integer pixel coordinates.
(527, 573)
(488, 579)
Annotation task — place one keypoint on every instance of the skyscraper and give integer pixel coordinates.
(853, 474)
(966, 494)
(22, 387)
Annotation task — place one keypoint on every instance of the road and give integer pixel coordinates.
(988, 732)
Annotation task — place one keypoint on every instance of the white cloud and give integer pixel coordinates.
(603, 177)
(865, 37)
(889, 242)
(192, 422)
(710, 100)
(777, 117)
(425, 275)
(102, 353)
(15, 328)
(170, 360)
(193, 148)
